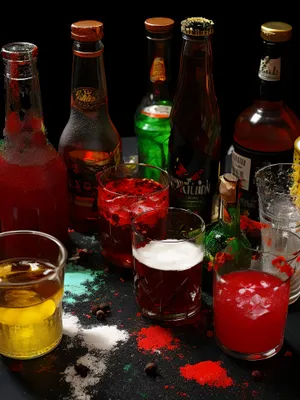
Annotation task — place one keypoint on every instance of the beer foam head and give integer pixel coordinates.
(171, 255)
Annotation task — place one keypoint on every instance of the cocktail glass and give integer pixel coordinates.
(251, 293)
(168, 250)
(31, 291)
(125, 191)
(278, 187)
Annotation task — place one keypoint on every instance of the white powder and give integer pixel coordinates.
(99, 342)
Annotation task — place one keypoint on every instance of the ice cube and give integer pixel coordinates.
(257, 312)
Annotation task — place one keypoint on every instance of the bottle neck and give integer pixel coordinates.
(159, 64)
(89, 92)
(23, 105)
(195, 72)
(229, 217)
(271, 73)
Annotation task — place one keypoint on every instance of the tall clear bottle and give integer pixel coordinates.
(195, 123)
(265, 132)
(152, 117)
(33, 177)
(89, 142)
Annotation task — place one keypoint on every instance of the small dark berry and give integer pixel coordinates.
(104, 307)
(151, 369)
(83, 255)
(100, 314)
(82, 370)
(257, 375)
(94, 309)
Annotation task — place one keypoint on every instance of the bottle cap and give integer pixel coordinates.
(228, 187)
(159, 24)
(87, 31)
(276, 31)
(197, 26)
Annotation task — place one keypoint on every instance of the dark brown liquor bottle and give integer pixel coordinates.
(89, 142)
(266, 131)
(195, 140)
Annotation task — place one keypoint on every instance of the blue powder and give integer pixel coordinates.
(76, 280)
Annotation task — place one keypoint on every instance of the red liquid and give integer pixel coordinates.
(35, 196)
(168, 279)
(250, 309)
(135, 195)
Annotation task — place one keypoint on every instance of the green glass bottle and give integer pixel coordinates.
(226, 232)
(152, 117)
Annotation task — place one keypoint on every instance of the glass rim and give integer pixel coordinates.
(106, 170)
(276, 192)
(63, 252)
(293, 254)
(184, 211)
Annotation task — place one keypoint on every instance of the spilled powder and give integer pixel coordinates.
(156, 338)
(99, 341)
(207, 373)
(76, 280)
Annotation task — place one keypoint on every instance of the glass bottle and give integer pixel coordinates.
(33, 177)
(227, 228)
(266, 131)
(89, 142)
(152, 117)
(195, 123)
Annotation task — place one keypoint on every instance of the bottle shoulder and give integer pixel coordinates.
(266, 127)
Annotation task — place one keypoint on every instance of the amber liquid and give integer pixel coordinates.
(30, 314)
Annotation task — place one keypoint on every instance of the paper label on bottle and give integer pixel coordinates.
(269, 69)
(158, 70)
(83, 167)
(87, 98)
(241, 167)
(157, 111)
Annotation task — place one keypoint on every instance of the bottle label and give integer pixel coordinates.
(157, 111)
(245, 163)
(158, 70)
(241, 167)
(193, 184)
(269, 69)
(83, 167)
(87, 99)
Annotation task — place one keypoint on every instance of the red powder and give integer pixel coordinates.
(207, 373)
(155, 338)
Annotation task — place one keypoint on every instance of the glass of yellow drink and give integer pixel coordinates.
(31, 291)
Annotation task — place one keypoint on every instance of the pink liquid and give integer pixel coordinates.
(250, 310)
(135, 196)
(34, 195)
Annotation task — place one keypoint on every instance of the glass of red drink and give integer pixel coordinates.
(251, 293)
(125, 191)
(168, 251)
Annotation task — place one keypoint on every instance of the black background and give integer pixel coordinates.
(236, 56)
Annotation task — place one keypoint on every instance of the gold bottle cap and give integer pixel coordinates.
(87, 31)
(197, 26)
(276, 31)
(228, 187)
(159, 24)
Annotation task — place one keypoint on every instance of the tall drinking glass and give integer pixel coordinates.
(168, 251)
(31, 291)
(251, 293)
(124, 191)
(278, 187)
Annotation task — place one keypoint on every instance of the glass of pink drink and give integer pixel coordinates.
(124, 191)
(251, 293)
(168, 251)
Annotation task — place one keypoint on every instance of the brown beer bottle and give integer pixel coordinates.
(265, 132)
(195, 140)
(89, 142)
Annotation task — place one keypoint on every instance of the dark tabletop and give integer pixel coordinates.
(90, 281)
